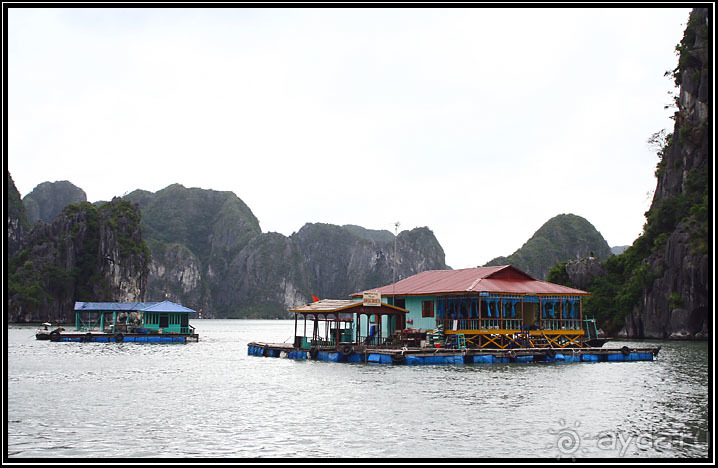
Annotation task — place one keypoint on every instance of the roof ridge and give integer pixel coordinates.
(473, 285)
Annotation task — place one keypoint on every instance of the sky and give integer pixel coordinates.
(478, 123)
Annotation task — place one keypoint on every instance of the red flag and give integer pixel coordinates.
(315, 298)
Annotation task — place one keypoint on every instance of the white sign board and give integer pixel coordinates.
(372, 298)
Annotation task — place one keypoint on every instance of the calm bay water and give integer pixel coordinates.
(211, 400)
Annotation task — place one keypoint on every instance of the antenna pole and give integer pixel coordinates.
(396, 234)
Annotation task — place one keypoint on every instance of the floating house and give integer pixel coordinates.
(494, 306)
(129, 321)
(488, 314)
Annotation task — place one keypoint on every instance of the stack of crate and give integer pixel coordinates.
(434, 336)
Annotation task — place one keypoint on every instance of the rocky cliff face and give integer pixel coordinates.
(85, 254)
(343, 260)
(677, 302)
(194, 235)
(48, 199)
(265, 279)
(209, 253)
(123, 257)
(175, 274)
(17, 221)
(581, 273)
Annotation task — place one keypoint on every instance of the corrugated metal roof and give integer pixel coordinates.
(327, 305)
(164, 306)
(336, 305)
(496, 279)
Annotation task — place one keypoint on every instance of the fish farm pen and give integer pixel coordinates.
(472, 316)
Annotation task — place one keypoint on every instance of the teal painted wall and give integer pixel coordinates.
(174, 319)
(413, 305)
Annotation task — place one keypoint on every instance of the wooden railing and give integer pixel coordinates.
(506, 324)
(560, 324)
(479, 324)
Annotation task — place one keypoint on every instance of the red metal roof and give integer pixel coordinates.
(496, 279)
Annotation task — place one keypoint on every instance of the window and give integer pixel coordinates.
(427, 308)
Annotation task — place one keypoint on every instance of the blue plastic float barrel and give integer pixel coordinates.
(353, 358)
(331, 356)
(483, 359)
(379, 359)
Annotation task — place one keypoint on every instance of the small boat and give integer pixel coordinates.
(45, 332)
(592, 336)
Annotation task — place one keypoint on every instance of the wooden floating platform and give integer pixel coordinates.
(100, 337)
(416, 356)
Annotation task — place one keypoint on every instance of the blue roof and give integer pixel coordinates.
(164, 306)
(124, 306)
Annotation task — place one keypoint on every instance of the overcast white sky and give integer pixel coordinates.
(479, 123)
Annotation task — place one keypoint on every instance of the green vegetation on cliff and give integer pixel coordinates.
(614, 295)
(199, 219)
(563, 237)
(63, 262)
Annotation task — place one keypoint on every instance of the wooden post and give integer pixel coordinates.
(482, 321)
(326, 329)
(378, 329)
(501, 317)
(295, 329)
(315, 331)
(336, 341)
(580, 316)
